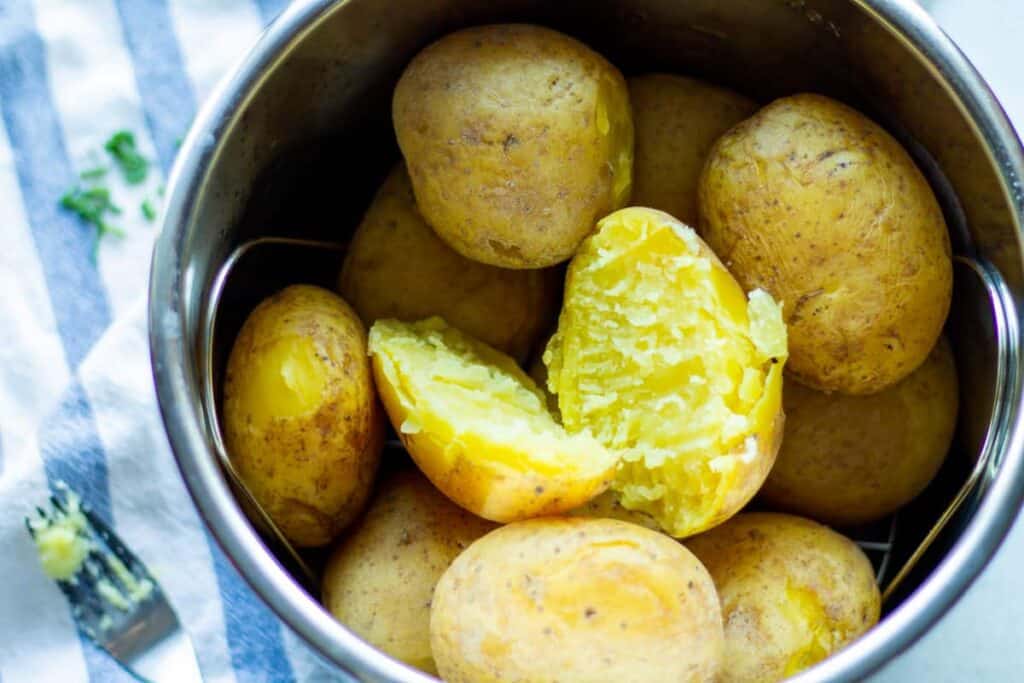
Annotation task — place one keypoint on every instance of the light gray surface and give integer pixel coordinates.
(981, 639)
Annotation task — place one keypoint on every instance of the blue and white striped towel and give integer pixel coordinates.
(76, 395)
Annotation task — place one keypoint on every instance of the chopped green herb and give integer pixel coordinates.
(94, 173)
(148, 210)
(133, 165)
(177, 141)
(92, 205)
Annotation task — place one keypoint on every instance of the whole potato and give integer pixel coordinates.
(661, 356)
(792, 592)
(380, 580)
(517, 138)
(676, 121)
(396, 267)
(582, 600)
(854, 459)
(301, 420)
(478, 427)
(819, 206)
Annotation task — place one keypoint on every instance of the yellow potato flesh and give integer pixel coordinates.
(477, 425)
(661, 356)
(286, 380)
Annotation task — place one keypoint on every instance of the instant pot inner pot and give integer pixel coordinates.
(315, 140)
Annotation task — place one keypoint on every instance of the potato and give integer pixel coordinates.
(855, 459)
(582, 600)
(301, 420)
(477, 426)
(663, 359)
(819, 206)
(396, 267)
(380, 580)
(676, 121)
(792, 592)
(517, 138)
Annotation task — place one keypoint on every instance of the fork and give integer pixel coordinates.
(114, 599)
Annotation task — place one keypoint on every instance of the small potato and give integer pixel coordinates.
(792, 592)
(676, 121)
(817, 205)
(477, 425)
(854, 459)
(517, 138)
(396, 267)
(582, 600)
(301, 420)
(661, 356)
(380, 580)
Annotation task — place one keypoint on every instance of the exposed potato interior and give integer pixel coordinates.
(470, 407)
(659, 353)
(803, 609)
(288, 379)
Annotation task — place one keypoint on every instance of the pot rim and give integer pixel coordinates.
(178, 395)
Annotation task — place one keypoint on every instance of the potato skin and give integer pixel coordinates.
(301, 420)
(819, 206)
(583, 600)
(676, 121)
(396, 267)
(380, 580)
(854, 459)
(792, 592)
(517, 139)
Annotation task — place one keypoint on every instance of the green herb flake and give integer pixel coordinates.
(94, 173)
(92, 205)
(134, 166)
(148, 210)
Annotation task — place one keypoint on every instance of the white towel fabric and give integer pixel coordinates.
(76, 395)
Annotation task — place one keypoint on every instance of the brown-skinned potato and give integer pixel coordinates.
(819, 206)
(850, 460)
(792, 592)
(517, 139)
(676, 121)
(396, 267)
(380, 579)
(301, 420)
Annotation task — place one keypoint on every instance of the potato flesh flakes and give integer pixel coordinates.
(660, 355)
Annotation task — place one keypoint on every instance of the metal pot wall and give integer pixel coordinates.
(296, 140)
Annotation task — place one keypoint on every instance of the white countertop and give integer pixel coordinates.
(982, 637)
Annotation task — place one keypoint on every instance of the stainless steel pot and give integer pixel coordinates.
(295, 141)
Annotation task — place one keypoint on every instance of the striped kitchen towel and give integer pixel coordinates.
(76, 393)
